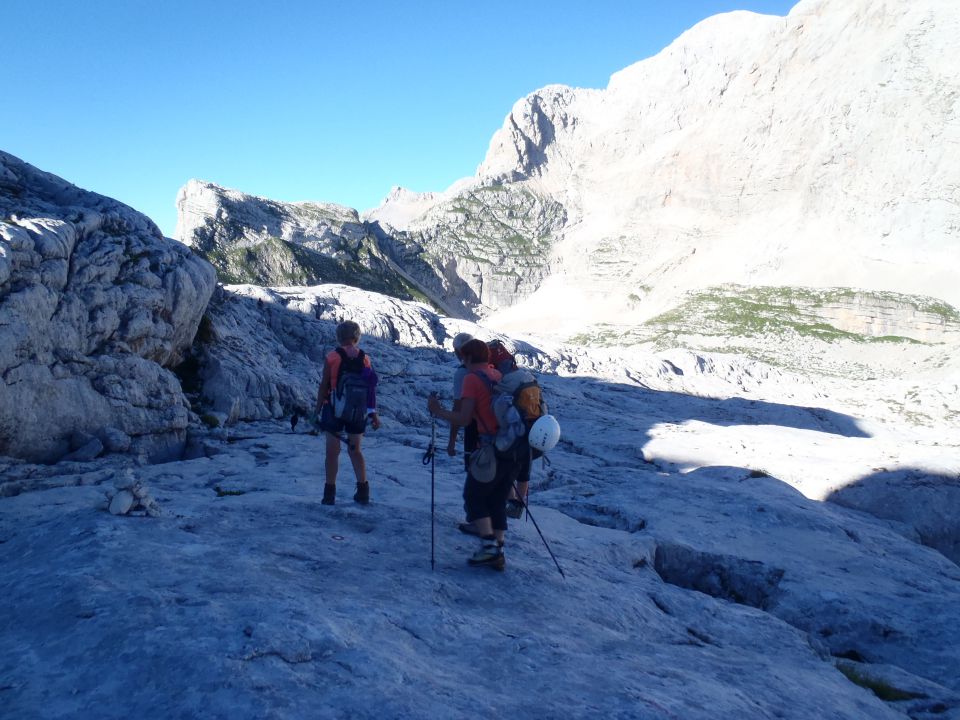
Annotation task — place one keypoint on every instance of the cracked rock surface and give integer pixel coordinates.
(95, 304)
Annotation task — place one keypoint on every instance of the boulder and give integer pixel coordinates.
(95, 305)
(86, 453)
(122, 503)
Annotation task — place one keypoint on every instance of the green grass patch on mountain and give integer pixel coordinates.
(883, 690)
(496, 221)
(737, 311)
(279, 263)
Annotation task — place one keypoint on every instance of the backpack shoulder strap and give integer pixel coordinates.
(485, 378)
(348, 363)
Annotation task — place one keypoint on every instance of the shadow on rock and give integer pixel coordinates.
(926, 505)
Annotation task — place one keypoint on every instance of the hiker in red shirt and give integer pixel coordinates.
(485, 502)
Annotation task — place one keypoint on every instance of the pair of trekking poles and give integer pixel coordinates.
(429, 458)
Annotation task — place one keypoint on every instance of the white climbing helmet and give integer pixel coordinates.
(545, 433)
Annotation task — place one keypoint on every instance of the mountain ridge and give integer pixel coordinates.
(809, 151)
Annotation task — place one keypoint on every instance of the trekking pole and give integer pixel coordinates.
(428, 459)
(545, 544)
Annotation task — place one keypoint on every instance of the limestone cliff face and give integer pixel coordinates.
(817, 150)
(490, 243)
(94, 304)
(780, 322)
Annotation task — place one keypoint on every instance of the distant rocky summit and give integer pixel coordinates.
(95, 305)
(266, 242)
(487, 247)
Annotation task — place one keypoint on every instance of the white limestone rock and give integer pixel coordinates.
(927, 504)
(133, 497)
(122, 503)
(114, 440)
(94, 305)
(478, 248)
(264, 355)
(491, 241)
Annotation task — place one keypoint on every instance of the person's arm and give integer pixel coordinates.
(460, 416)
(458, 377)
(454, 431)
(324, 388)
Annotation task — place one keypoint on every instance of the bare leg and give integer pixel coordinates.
(485, 527)
(333, 458)
(356, 457)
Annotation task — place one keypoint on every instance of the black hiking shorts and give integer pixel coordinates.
(490, 499)
(332, 424)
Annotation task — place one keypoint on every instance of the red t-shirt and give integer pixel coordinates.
(474, 387)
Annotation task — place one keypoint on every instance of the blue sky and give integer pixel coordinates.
(298, 100)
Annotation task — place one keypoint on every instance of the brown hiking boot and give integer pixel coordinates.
(362, 495)
(490, 554)
(329, 494)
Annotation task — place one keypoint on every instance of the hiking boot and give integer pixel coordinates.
(514, 509)
(329, 494)
(468, 528)
(489, 554)
(362, 495)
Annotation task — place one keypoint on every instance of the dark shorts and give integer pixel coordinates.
(329, 423)
(490, 499)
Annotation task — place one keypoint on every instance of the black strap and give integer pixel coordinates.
(344, 359)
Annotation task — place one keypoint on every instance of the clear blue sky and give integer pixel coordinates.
(297, 100)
